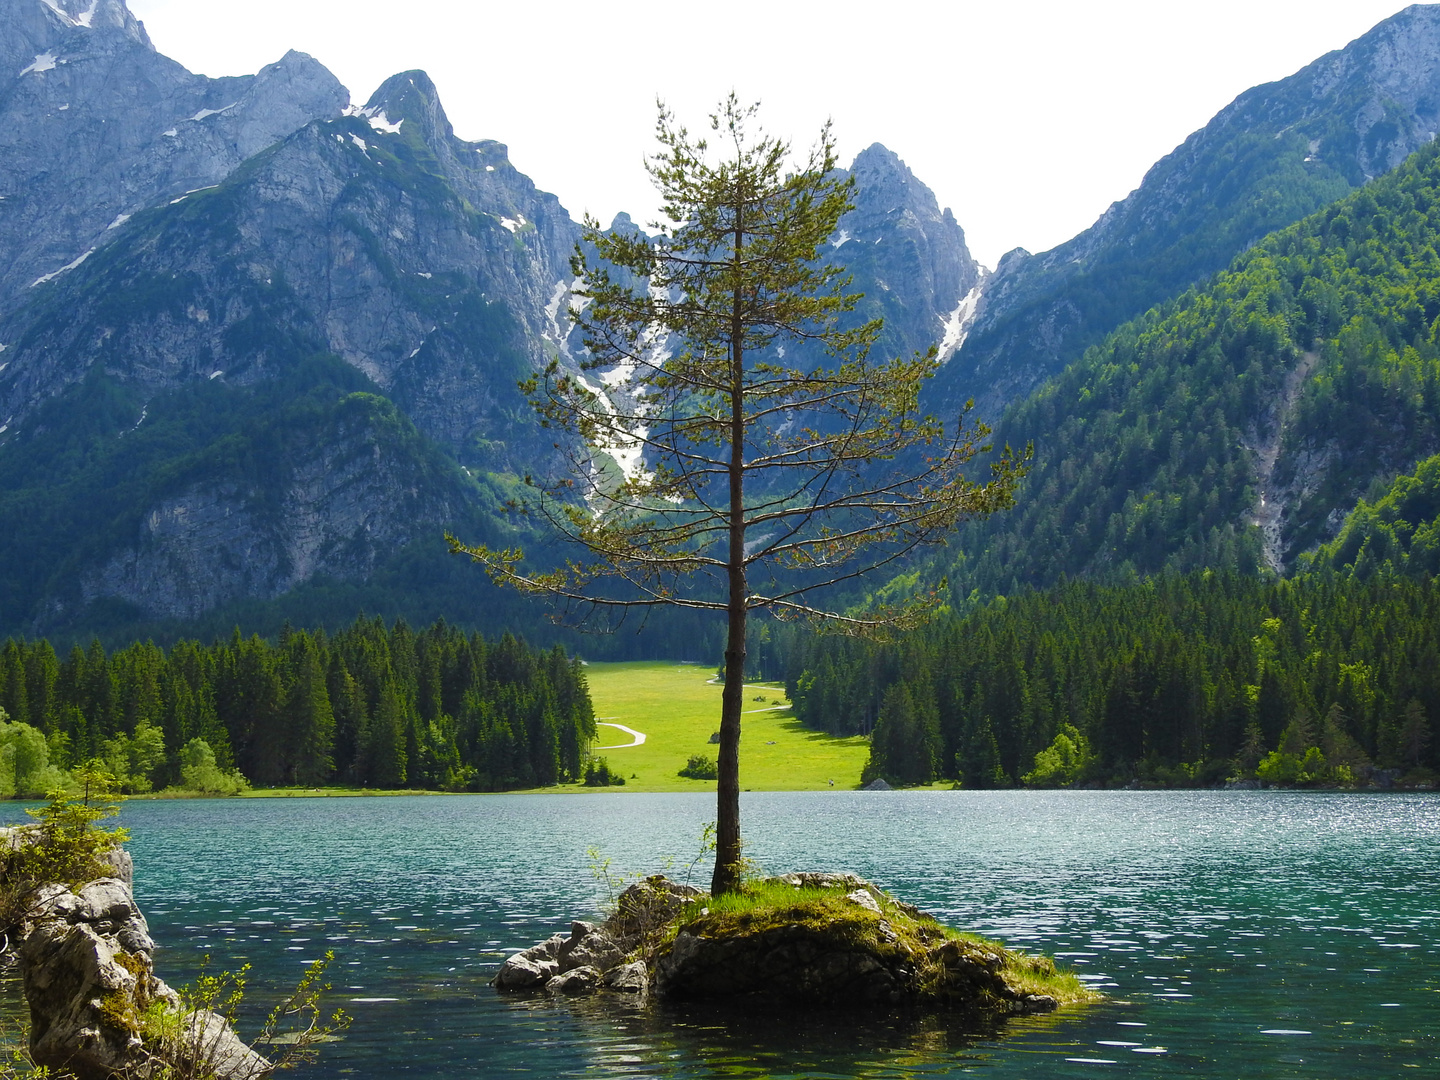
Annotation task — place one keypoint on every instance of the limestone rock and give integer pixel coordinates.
(632, 978)
(647, 904)
(589, 946)
(864, 899)
(98, 126)
(524, 971)
(89, 979)
(580, 980)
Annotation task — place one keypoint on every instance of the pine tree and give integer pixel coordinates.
(764, 479)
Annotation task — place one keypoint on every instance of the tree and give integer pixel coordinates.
(709, 471)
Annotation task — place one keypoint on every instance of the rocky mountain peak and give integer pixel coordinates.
(908, 256)
(95, 126)
(411, 97)
(31, 30)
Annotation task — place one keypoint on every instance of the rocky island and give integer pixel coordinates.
(811, 939)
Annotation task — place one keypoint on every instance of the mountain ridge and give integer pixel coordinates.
(1279, 151)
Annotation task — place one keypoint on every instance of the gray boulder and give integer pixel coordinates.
(90, 980)
(580, 980)
(632, 978)
(589, 946)
(525, 971)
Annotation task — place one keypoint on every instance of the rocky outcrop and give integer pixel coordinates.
(97, 1010)
(843, 942)
(95, 126)
(907, 255)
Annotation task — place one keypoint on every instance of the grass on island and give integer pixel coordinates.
(775, 904)
(677, 707)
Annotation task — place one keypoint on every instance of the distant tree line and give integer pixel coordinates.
(1176, 681)
(372, 706)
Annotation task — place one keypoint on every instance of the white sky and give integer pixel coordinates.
(1027, 119)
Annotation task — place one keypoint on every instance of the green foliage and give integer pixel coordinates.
(1397, 534)
(905, 747)
(199, 772)
(70, 842)
(598, 774)
(370, 706)
(700, 767)
(1177, 681)
(1063, 763)
(1238, 181)
(1148, 447)
(25, 768)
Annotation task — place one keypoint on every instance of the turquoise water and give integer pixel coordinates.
(1236, 934)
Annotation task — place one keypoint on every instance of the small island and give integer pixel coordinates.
(798, 940)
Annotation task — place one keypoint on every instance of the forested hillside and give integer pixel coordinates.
(1272, 398)
(370, 706)
(1180, 680)
(1398, 533)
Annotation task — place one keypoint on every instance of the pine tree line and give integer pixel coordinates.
(371, 706)
(1179, 680)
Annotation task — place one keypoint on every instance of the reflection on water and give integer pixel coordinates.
(1234, 934)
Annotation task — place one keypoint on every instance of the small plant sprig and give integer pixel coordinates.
(192, 1051)
(707, 848)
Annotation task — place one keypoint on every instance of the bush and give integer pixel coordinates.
(700, 767)
(199, 773)
(597, 773)
(25, 769)
(1063, 762)
(65, 845)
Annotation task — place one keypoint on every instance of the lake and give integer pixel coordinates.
(1254, 934)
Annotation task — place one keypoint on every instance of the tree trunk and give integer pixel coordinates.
(726, 877)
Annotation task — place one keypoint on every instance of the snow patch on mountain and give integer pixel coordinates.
(957, 324)
(206, 113)
(43, 63)
(64, 269)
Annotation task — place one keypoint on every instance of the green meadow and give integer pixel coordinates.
(677, 707)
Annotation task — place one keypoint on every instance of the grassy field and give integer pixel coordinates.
(678, 708)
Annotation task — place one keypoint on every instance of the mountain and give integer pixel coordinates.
(907, 256)
(1235, 427)
(95, 125)
(1277, 153)
(281, 378)
(294, 379)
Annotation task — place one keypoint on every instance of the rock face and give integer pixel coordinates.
(425, 271)
(90, 981)
(1277, 153)
(907, 256)
(96, 125)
